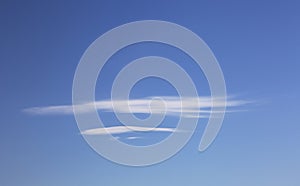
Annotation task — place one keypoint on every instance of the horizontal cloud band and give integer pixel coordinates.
(187, 107)
(124, 129)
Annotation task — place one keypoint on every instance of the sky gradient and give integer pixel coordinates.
(256, 43)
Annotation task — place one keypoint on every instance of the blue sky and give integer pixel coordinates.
(256, 44)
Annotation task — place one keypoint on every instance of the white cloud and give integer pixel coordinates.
(133, 137)
(124, 129)
(187, 106)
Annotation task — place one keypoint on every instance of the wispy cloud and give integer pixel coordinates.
(187, 107)
(124, 129)
(133, 137)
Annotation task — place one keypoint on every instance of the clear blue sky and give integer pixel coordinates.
(257, 44)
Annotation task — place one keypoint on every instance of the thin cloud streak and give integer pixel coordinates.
(187, 107)
(124, 129)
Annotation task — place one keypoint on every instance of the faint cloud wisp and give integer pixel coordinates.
(171, 106)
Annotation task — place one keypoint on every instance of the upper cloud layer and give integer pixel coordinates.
(187, 107)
